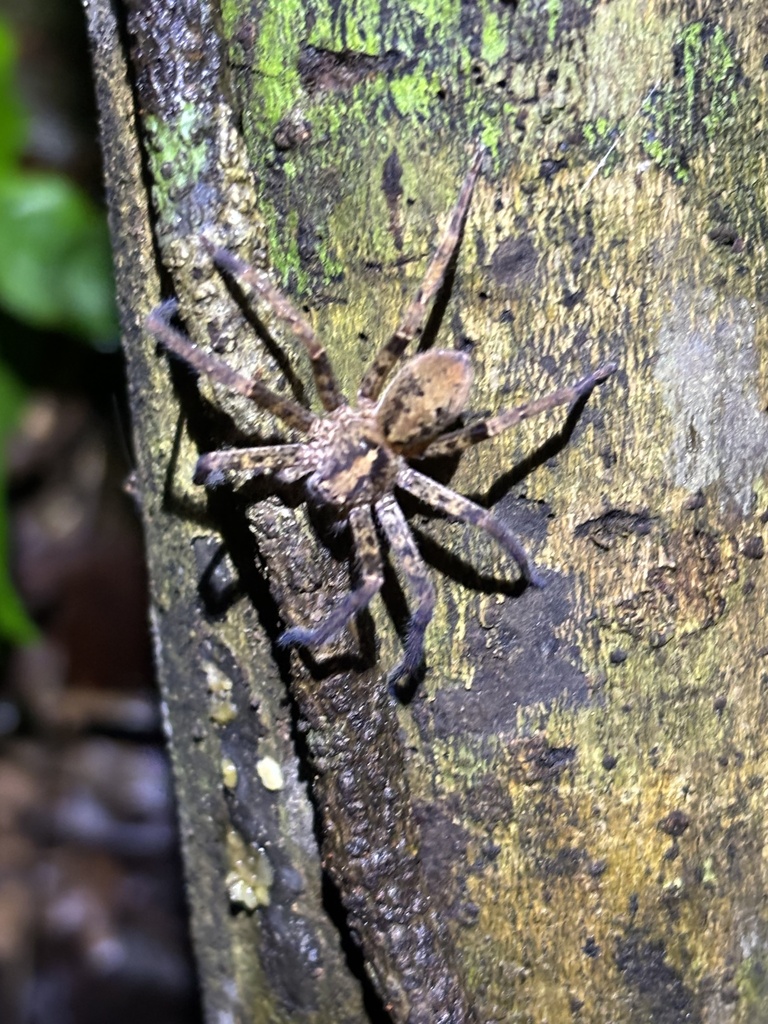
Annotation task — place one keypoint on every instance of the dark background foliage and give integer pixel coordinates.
(92, 921)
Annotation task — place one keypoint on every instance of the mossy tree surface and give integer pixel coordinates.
(578, 786)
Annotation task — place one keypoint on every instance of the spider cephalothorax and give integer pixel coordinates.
(356, 457)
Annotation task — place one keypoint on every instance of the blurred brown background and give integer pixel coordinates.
(92, 917)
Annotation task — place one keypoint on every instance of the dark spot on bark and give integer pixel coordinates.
(753, 547)
(391, 178)
(488, 799)
(571, 299)
(694, 501)
(337, 71)
(489, 851)
(391, 182)
(566, 862)
(514, 261)
(291, 132)
(727, 236)
(618, 656)
(549, 168)
(307, 239)
(218, 584)
(606, 529)
(537, 761)
(609, 762)
(674, 823)
(591, 947)
(658, 991)
(443, 853)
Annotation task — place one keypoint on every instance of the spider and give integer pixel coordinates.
(356, 457)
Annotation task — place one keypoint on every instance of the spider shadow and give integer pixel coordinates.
(454, 566)
(225, 509)
(229, 505)
(440, 304)
(443, 469)
(270, 343)
(547, 450)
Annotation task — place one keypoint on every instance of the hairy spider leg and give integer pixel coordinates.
(416, 313)
(217, 370)
(366, 545)
(458, 507)
(458, 440)
(215, 468)
(398, 533)
(260, 286)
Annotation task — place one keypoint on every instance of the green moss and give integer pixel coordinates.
(554, 10)
(751, 982)
(414, 94)
(230, 15)
(178, 153)
(491, 136)
(494, 41)
(600, 138)
(361, 28)
(332, 267)
(695, 108)
(285, 259)
(276, 68)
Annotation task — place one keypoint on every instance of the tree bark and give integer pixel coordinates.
(567, 820)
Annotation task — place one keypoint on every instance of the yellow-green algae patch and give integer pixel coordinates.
(696, 106)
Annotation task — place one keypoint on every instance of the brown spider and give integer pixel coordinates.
(356, 456)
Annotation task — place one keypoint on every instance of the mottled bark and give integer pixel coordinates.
(567, 820)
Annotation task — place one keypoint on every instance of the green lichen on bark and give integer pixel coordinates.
(696, 105)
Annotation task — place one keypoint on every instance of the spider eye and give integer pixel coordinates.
(425, 397)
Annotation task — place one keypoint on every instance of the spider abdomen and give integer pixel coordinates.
(425, 397)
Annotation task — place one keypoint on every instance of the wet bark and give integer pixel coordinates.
(566, 816)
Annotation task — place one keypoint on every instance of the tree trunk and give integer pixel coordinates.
(567, 820)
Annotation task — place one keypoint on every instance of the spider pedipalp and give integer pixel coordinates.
(356, 458)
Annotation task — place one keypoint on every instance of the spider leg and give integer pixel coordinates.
(458, 440)
(259, 284)
(372, 576)
(402, 542)
(416, 313)
(215, 468)
(458, 507)
(217, 370)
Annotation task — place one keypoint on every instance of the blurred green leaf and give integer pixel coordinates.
(12, 121)
(55, 266)
(55, 272)
(15, 624)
